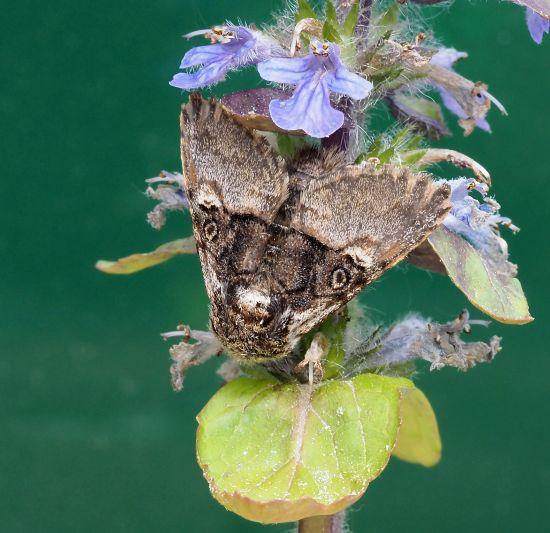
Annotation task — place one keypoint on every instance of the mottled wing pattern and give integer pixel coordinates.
(235, 185)
(224, 163)
(279, 254)
(376, 216)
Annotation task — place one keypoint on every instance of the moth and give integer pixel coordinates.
(283, 245)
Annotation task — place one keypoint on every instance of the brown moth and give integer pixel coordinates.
(284, 245)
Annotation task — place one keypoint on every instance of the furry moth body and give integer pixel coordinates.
(281, 247)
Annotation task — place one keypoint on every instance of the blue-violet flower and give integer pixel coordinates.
(232, 47)
(538, 25)
(315, 76)
(446, 58)
(475, 221)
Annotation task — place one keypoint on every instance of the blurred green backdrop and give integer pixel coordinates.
(91, 436)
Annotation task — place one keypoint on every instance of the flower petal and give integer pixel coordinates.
(238, 47)
(447, 57)
(343, 81)
(484, 125)
(450, 102)
(207, 75)
(288, 70)
(204, 55)
(308, 109)
(475, 221)
(537, 25)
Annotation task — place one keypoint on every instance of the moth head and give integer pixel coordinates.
(256, 308)
(252, 322)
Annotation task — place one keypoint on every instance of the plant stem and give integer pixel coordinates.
(340, 139)
(322, 524)
(364, 16)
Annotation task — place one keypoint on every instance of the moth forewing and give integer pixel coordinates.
(276, 259)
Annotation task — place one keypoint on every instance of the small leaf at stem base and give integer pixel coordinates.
(275, 452)
(418, 440)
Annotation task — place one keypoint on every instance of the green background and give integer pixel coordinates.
(91, 436)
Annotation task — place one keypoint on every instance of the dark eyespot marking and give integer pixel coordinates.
(210, 230)
(339, 278)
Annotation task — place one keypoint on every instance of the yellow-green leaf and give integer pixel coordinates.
(418, 440)
(348, 28)
(331, 15)
(387, 22)
(491, 290)
(275, 452)
(136, 262)
(305, 11)
(331, 33)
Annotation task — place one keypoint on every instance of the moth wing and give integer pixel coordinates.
(374, 215)
(226, 164)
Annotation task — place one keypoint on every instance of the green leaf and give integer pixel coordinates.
(389, 19)
(401, 143)
(333, 328)
(331, 27)
(413, 142)
(289, 145)
(490, 289)
(413, 157)
(375, 147)
(348, 29)
(386, 155)
(331, 33)
(401, 136)
(386, 75)
(422, 107)
(274, 452)
(136, 262)
(418, 440)
(305, 11)
(331, 15)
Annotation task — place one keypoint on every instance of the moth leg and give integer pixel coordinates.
(186, 354)
(318, 349)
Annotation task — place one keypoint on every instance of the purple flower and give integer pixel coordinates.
(315, 76)
(538, 25)
(446, 58)
(233, 47)
(476, 221)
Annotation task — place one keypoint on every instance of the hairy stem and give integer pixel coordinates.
(340, 139)
(322, 524)
(364, 17)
